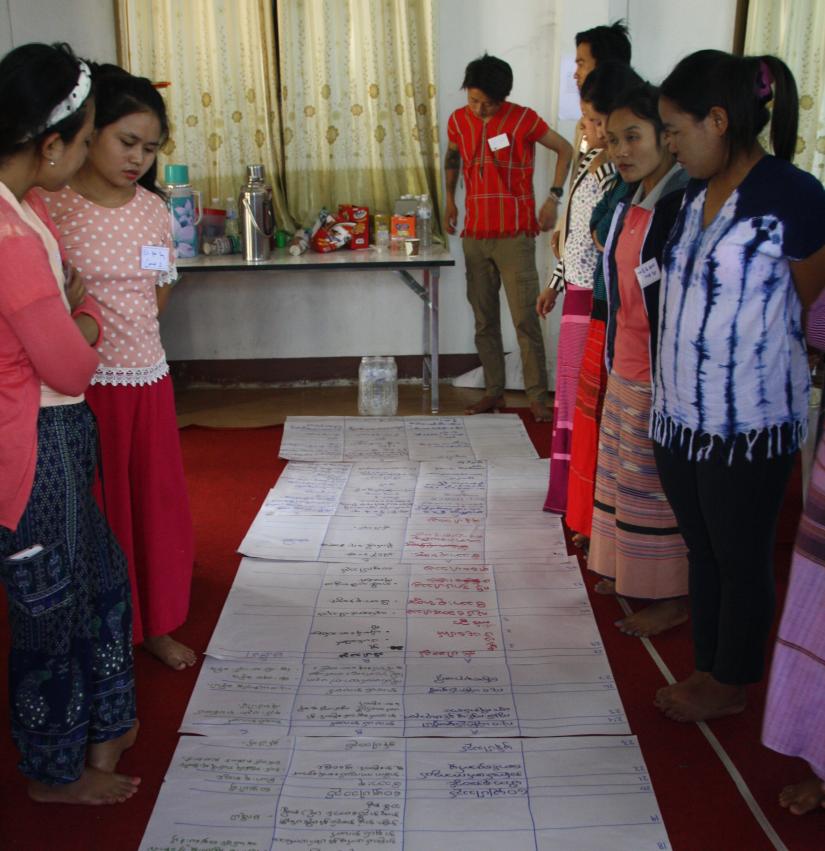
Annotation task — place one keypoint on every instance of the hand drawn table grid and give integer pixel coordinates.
(418, 595)
(410, 794)
(409, 650)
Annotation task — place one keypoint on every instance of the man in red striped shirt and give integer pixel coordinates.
(495, 142)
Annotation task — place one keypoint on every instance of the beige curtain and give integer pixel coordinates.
(794, 30)
(359, 103)
(219, 56)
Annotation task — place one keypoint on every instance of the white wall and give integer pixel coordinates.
(286, 315)
(665, 31)
(87, 25)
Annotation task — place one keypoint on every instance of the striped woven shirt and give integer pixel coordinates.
(498, 183)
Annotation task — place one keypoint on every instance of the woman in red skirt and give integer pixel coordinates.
(116, 228)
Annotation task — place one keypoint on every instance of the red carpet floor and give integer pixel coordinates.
(229, 473)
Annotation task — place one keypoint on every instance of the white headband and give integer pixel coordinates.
(73, 101)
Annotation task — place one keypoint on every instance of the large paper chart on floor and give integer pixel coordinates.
(402, 511)
(408, 650)
(410, 794)
(405, 438)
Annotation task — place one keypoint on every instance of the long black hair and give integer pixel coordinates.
(742, 86)
(606, 82)
(34, 79)
(119, 93)
(643, 101)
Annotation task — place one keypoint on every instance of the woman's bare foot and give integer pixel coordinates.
(801, 798)
(172, 653)
(704, 700)
(93, 788)
(485, 405)
(605, 586)
(106, 755)
(685, 686)
(655, 618)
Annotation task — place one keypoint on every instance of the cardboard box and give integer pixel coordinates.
(402, 227)
(359, 217)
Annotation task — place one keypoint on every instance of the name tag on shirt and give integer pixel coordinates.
(648, 273)
(496, 143)
(154, 258)
(22, 555)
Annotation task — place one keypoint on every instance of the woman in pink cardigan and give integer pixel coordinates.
(71, 685)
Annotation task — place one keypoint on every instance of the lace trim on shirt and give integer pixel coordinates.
(131, 376)
(168, 279)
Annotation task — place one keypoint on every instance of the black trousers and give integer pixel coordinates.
(727, 514)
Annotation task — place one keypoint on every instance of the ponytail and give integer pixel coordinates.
(784, 116)
(743, 86)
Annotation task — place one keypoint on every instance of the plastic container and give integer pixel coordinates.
(213, 223)
(222, 245)
(381, 234)
(424, 222)
(377, 387)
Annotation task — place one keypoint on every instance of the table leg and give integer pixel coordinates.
(431, 281)
(426, 362)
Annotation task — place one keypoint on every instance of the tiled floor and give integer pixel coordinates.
(228, 407)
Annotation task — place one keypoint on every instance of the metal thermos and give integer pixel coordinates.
(257, 218)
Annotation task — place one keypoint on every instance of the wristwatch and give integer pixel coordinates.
(557, 192)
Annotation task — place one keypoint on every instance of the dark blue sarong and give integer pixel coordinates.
(71, 681)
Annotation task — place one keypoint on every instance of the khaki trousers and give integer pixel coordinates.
(510, 261)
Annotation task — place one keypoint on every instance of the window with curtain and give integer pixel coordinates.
(336, 97)
(794, 30)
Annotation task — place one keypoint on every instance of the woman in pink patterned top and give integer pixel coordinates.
(115, 226)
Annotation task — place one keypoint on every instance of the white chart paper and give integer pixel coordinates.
(454, 511)
(266, 793)
(408, 650)
(325, 439)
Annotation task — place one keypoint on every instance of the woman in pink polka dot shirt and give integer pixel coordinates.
(116, 230)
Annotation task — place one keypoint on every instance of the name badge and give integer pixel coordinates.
(496, 143)
(154, 258)
(648, 273)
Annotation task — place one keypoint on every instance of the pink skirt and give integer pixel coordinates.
(142, 491)
(795, 709)
(575, 321)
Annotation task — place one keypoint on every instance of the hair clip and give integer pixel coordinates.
(764, 81)
(161, 85)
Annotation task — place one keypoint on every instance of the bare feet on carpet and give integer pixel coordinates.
(106, 755)
(485, 405)
(605, 586)
(541, 413)
(172, 653)
(656, 618)
(700, 698)
(93, 788)
(801, 798)
(580, 541)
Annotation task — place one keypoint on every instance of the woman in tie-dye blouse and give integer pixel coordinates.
(746, 255)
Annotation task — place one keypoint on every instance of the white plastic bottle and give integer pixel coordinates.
(424, 222)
